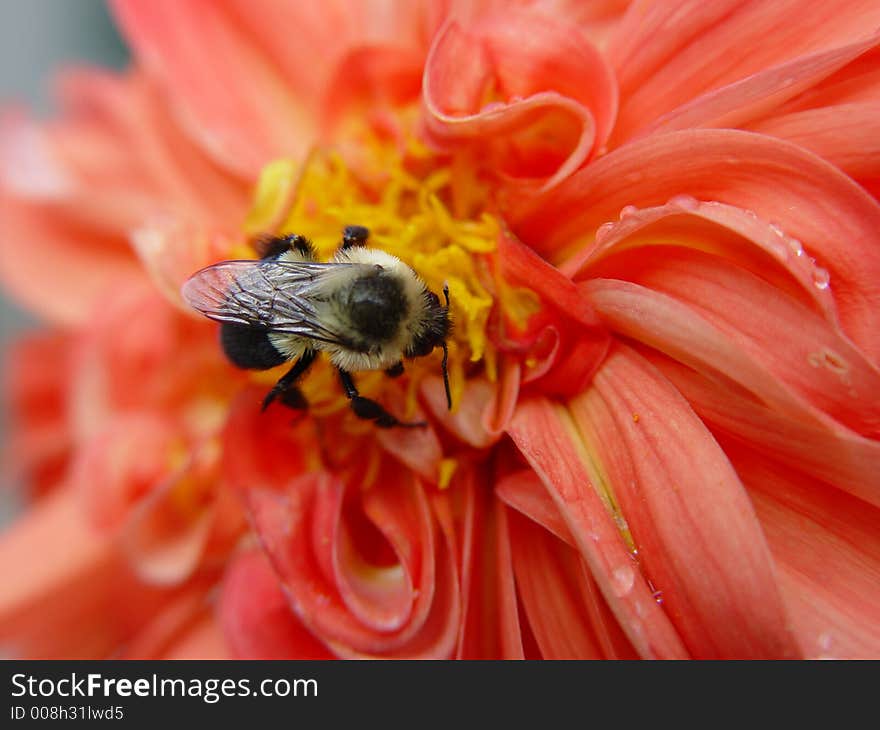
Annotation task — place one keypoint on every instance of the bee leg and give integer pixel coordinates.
(368, 409)
(354, 236)
(395, 371)
(285, 391)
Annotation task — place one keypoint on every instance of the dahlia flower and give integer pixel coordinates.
(659, 226)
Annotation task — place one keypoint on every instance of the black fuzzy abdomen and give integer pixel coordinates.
(376, 307)
(249, 347)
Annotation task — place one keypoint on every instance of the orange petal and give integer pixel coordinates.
(548, 579)
(803, 441)
(293, 528)
(666, 54)
(781, 182)
(233, 99)
(543, 108)
(546, 436)
(827, 548)
(844, 134)
(490, 626)
(204, 640)
(759, 94)
(525, 492)
(696, 534)
(85, 262)
(711, 299)
(67, 593)
(256, 617)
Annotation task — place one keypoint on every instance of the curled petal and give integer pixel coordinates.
(333, 588)
(545, 106)
(809, 199)
(812, 362)
(256, 616)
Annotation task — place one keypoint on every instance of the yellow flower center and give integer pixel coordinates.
(429, 212)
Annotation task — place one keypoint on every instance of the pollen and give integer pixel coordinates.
(430, 212)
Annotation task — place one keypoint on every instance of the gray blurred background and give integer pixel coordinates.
(36, 38)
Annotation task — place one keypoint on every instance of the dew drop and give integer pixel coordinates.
(603, 231)
(658, 596)
(627, 211)
(683, 202)
(622, 580)
(797, 248)
(821, 277)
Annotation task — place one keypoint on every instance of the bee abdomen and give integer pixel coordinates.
(249, 347)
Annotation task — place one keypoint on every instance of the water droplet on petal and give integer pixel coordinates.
(821, 277)
(774, 228)
(684, 202)
(603, 231)
(622, 580)
(797, 248)
(628, 210)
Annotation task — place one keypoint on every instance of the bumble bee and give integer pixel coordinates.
(366, 309)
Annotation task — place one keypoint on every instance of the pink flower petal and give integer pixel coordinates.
(291, 528)
(256, 617)
(804, 441)
(681, 332)
(166, 535)
(669, 53)
(233, 99)
(548, 578)
(490, 626)
(847, 135)
(545, 105)
(758, 94)
(809, 199)
(66, 592)
(547, 437)
(525, 492)
(85, 263)
(795, 347)
(204, 640)
(827, 547)
(697, 537)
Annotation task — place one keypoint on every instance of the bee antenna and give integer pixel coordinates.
(446, 374)
(446, 294)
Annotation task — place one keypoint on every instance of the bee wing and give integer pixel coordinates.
(272, 295)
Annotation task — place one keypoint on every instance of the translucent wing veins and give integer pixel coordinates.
(273, 295)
